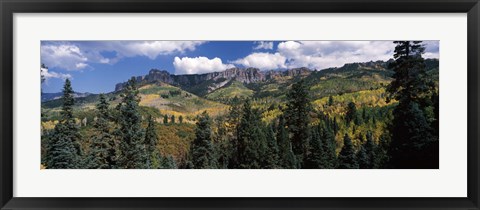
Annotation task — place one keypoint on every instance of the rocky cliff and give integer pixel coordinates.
(215, 79)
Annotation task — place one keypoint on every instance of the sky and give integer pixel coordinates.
(96, 66)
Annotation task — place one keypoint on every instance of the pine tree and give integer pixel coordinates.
(297, 116)
(102, 149)
(412, 136)
(347, 158)
(132, 150)
(287, 158)
(364, 115)
(330, 101)
(315, 157)
(64, 149)
(172, 119)
(381, 153)
(202, 149)
(414, 142)
(180, 119)
(165, 119)
(410, 79)
(231, 129)
(362, 159)
(150, 141)
(370, 150)
(351, 113)
(251, 138)
(271, 155)
(42, 76)
(327, 138)
(335, 127)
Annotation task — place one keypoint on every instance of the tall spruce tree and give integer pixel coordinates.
(202, 152)
(414, 142)
(165, 119)
(362, 159)
(370, 150)
(231, 129)
(315, 157)
(132, 149)
(102, 152)
(330, 101)
(287, 158)
(347, 157)
(271, 157)
(150, 142)
(327, 137)
(351, 113)
(297, 116)
(251, 138)
(382, 157)
(64, 149)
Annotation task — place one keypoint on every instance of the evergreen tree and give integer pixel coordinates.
(172, 119)
(364, 115)
(271, 156)
(346, 158)
(150, 141)
(165, 119)
(102, 149)
(370, 150)
(330, 101)
(362, 159)
(351, 113)
(335, 127)
(315, 157)
(287, 158)
(381, 153)
(202, 149)
(414, 142)
(329, 146)
(132, 150)
(180, 119)
(298, 119)
(251, 138)
(64, 149)
(231, 129)
(42, 76)
(410, 79)
(412, 137)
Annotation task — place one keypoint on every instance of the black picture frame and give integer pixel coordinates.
(10, 7)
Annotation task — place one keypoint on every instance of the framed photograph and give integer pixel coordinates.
(239, 105)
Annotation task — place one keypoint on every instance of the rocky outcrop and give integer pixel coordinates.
(248, 75)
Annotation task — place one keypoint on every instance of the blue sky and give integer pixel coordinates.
(96, 66)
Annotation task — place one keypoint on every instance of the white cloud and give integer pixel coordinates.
(152, 49)
(325, 54)
(65, 56)
(199, 65)
(263, 45)
(50, 74)
(263, 61)
(78, 55)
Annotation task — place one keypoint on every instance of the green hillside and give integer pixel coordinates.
(230, 91)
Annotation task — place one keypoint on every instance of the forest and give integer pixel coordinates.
(380, 115)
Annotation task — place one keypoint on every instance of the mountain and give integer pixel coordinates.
(189, 94)
(53, 96)
(202, 84)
